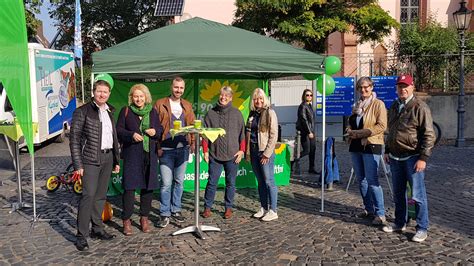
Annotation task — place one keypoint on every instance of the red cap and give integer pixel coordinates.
(406, 79)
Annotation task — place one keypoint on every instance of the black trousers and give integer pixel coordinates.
(128, 199)
(95, 182)
(309, 148)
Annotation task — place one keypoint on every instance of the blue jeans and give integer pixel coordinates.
(215, 170)
(267, 189)
(366, 169)
(172, 169)
(403, 172)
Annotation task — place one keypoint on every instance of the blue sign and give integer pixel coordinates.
(386, 89)
(341, 101)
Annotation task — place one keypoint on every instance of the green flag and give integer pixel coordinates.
(14, 70)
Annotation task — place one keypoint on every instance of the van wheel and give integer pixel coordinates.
(61, 137)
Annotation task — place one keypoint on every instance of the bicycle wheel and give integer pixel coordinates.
(437, 131)
(77, 187)
(52, 184)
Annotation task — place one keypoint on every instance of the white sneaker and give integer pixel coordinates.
(270, 216)
(420, 236)
(260, 213)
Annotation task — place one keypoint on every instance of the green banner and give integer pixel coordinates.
(14, 68)
(245, 176)
(205, 98)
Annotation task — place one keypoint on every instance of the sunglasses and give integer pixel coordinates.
(309, 95)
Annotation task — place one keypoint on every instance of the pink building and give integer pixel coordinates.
(222, 11)
(358, 56)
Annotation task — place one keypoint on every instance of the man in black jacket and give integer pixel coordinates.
(95, 154)
(305, 124)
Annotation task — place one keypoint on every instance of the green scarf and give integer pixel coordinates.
(144, 124)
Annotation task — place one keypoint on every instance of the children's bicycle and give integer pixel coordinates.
(69, 178)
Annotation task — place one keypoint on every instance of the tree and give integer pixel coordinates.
(428, 50)
(106, 22)
(32, 7)
(309, 22)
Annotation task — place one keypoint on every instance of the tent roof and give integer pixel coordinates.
(204, 49)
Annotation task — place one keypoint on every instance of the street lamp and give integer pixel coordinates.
(462, 18)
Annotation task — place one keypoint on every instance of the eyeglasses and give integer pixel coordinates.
(365, 87)
(309, 95)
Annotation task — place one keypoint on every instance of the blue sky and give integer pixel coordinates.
(48, 27)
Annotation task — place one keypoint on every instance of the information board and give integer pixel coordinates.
(386, 89)
(340, 102)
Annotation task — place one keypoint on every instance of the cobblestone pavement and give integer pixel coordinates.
(301, 235)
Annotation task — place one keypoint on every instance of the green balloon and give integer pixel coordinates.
(330, 84)
(311, 76)
(332, 65)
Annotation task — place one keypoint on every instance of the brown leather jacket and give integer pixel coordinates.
(375, 121)
(164, 112)
(410, 132)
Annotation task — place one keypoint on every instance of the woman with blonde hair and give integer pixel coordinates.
(138, 130)
(262, 135)
(366, 128)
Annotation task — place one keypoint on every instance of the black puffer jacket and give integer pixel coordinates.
(86, 136)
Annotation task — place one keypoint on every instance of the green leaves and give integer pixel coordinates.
(310, 22)
(106, 22)
(32, 7)
(425, 49)
(430, 39)
(372, 23)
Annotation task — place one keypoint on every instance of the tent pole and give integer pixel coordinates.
(32, 157)
(18, 174)
(196, 97)
(82, 80)
(323, 142)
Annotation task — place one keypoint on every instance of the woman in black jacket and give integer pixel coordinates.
(305, 124)
(139, 129)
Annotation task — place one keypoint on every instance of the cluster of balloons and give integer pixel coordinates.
(332, 65)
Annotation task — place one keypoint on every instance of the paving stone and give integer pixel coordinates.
(302, 234)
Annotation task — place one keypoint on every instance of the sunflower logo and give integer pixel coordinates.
(279, 148)
(211, 93)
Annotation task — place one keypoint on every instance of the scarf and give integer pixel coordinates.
(145, 122)
(362, 104)
(265, 120)
(223, 108)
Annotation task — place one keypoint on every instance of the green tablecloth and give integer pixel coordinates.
(13, 131)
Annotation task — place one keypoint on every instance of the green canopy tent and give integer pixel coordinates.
(199, 48)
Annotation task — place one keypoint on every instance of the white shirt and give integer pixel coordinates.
(358, 118)
(176, 108)
(107, 130)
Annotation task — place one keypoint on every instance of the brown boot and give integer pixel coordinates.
(228, 213)
(145, 224)
(127, 227)
(207, 213)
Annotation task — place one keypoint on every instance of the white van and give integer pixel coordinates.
(53, 93)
